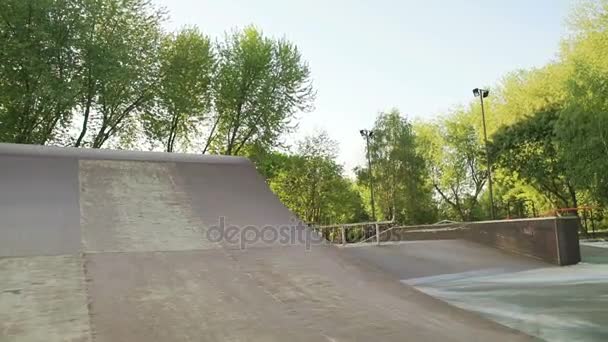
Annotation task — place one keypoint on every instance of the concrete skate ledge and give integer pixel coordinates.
(551, 239)
(22, 150)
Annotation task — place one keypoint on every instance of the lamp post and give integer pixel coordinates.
(483, 93)
(367, 134)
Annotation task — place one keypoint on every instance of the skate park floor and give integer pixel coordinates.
(549, 302)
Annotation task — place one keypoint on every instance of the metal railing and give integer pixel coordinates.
(329, 231)
(338, 233)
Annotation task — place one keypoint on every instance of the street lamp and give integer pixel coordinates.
(367, 134)
(483, 93)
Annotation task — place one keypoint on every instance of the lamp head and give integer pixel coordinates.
(366, 133)
(481, 92)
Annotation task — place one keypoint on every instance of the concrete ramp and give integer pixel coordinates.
(550, 302)
(125, 246)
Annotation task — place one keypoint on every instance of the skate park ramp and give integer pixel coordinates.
(102, 245)
(546, 301)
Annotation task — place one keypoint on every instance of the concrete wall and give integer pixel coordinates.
(551, 239)
(567, 236)
(424, 233)
(554, 239)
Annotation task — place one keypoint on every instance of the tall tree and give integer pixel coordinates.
(184, 98)
(398, 170)
(582, 128)
(529, 149)
(582, 131)
(311, 184)
(120, 66)
(39, 67)
(455, 157)
(261, 84)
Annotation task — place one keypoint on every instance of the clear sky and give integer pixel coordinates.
(422, 57)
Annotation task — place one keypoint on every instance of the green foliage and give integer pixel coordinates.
(184, 100)
(101, 72)
(39, 67)
(260, 84)
(94, 58)
(529, 149)
(312, 185)
(398, 171)
(525, 92)
(120, 66)
(548, 125)
(456, 163)
(583, 124)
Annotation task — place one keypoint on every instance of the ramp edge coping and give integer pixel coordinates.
(23, 150)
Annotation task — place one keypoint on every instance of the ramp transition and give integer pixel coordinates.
(125, 246)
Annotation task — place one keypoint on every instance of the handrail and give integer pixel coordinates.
(417, 227)
(352, 225)
(344, 226)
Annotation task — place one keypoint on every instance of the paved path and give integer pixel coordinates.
(111, 246)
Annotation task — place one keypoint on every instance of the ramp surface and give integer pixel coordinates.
(430, 258)
(550, 302)
(122, 246)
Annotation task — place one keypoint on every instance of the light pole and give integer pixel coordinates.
(367, 134)
(483, 93)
